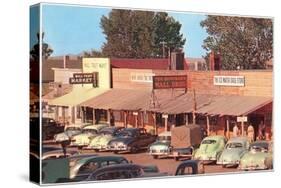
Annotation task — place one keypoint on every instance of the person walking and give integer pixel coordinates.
(251, 133)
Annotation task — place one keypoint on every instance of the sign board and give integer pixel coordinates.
(141, 77)
(170, 82)
(242, 119)
(85, 78)
(229, 80)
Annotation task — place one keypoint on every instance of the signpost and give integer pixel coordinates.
(170, 82)
(85, 78)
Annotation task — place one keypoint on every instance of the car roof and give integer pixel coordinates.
(101, 158)
(215, 137)
(165, 133)
(238, 139)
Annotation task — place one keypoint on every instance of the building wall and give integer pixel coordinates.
(62, 75)
(257, 82)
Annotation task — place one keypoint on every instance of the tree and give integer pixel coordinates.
(138, 34)
(46, 49)
(93, 53)
(242, 42)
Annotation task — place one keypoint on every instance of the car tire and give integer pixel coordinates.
(115, 152)
(224, 166)
(176, 158)
(96, 150)
(133, 149)
(155, 156)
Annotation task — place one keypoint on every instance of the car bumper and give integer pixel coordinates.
(158, 153)
(104, 148)
(252, 167)
(228, 162)
(117, 148)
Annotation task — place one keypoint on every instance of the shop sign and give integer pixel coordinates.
(242, 119)
(170, 82)
(85, 78)
(141, 77)
(229, 80)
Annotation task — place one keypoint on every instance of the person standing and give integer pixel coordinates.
(235, 131)
(251, 133)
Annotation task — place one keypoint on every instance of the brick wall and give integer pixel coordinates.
(257, 83)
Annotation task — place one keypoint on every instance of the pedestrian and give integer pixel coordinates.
(251, 133)
(235, 131)
(261, 135)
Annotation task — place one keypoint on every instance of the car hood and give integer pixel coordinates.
(101, 140)
(232, 154)
(207, 148)
(124, 140)
(253, 158)
(83, 135)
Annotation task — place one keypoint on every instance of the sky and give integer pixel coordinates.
(74, 29)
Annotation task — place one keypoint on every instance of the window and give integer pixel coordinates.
(88, 168)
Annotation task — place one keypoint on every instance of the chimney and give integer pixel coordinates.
(65, 59)
(215, 61)
(177, 61)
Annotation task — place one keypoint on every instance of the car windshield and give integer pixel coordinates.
(73, 129)
(126, 134)
(164, 138)
(259, 147)
(209, 142)
(89, 131)
(234, 145)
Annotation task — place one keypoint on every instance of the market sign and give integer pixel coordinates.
(85, 78)
(170, 82)
(229, 80)
(242, 119)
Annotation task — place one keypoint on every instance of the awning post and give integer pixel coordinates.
(186, 119)
(208, 125)
(108, 116)
(94, 116)
(165, 116)
(227, 128)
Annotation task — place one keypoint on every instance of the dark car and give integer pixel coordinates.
(49, 127)
(190, 167)
(113, 131)
(131, 140)
(121, 171)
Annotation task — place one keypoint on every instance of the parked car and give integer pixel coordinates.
(259, 157)
(190, 167)
(122, 171)
(56, 154)
(210, 149)
(68, 133)
(161, 147)
(88, 133)
(85, 166)
(131, 140)
(235, 148)
(101, 141)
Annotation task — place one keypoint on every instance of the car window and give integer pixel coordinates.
(186, 171)
(209, 142)
(106, 163)
(164, 138)
(88, 168)
(234, 145)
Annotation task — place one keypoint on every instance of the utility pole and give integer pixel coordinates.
(163, 47)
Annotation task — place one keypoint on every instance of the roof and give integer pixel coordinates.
(156, 64)
(120, 99)
(176, 102)
(77, 96)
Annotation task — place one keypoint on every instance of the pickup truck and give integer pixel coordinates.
(131, 140)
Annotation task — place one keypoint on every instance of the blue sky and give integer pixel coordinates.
(73, 29)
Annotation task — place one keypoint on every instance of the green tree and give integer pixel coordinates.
(242, 42)
(138, 34)
(46, 49)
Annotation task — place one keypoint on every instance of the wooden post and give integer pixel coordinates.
(186, 119)
(165, 116)
(125, 119)
(242, 126)
(227, 128)
(208, 126)
(94, 116)
(108, 116)
(154, 122)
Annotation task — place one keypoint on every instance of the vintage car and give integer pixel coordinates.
(131, 140)
(85, 166)
(122, 171)
(259, 157)
(68, 133)
(56, 154)
(190, 167)
(210, 149)
(161, 147)
(233, 151)
(88, 133)
(101, 141)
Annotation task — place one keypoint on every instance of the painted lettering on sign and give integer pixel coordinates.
(167, 82)
(85, 78)
(229, 80)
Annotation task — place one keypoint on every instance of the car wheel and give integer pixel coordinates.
(155, 156)
(115, 152)
(176, 158)
(80, 147)
(133, 149)
(224, 166)
(96, 150)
